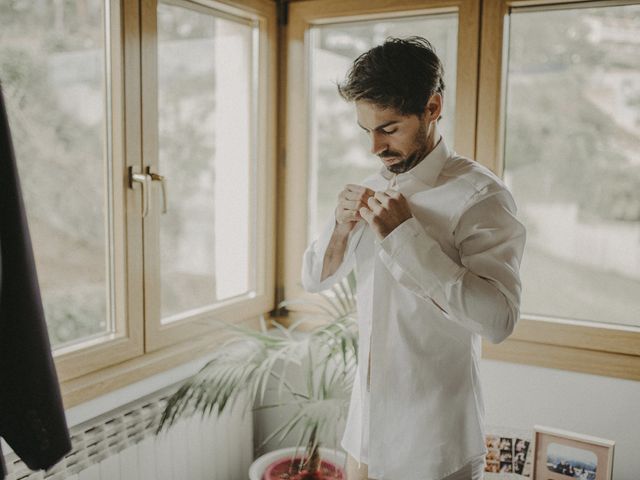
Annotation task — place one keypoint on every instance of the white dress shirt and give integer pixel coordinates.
(426, 294)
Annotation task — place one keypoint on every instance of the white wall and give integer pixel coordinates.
(517, 397)
(521, 396)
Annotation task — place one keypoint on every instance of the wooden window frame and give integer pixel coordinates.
(588, 347)
(127, 341)
(141, 346)
(580, 346)
(306, 14)
(157, 334)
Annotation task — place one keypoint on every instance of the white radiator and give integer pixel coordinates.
(121, 445)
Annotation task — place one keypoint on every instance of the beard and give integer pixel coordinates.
(419, 151)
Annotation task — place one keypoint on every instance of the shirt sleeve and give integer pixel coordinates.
(313, 258)
(483, 293)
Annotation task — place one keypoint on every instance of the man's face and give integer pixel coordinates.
(401, 141)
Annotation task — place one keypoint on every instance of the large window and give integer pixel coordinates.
(559, 120)
(207, 245)
(144, 135)
(206, 147)
(554, 112)
(571, 159)
(325, 148)
(53, 65)
(338, 148)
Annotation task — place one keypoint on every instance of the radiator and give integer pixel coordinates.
(122, 445)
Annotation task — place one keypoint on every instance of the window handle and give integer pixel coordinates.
(144, 180)
(163, 183)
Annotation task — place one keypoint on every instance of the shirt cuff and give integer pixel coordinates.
(410, 251)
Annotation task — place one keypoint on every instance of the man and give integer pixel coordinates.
(437, 250)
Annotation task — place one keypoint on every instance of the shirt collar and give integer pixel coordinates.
(428, 170)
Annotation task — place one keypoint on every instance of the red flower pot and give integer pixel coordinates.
(287, 469)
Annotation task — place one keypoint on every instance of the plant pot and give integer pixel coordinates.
(332, 459)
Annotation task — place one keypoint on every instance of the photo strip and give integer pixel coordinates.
(507, 454)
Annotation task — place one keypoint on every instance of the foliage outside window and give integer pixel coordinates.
(571, 159)
(53, 70)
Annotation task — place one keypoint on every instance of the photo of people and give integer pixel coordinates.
(506, 467)
(506, 454)
(492, 459)
(505, 444)
(493, 441)
(520, 455)
(572, 462)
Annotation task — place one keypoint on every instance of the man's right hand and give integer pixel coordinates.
(350, 200)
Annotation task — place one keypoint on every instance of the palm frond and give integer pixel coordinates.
(249, 360)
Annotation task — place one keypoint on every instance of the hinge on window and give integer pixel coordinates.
(279, 311)
(283, 11)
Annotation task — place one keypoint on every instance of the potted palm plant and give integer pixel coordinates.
(326, 356)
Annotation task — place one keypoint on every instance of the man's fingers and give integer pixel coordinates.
(349, 195)
(352, 187)
(352, 204)
(367, 215)
(383, 198)
(354, 190)
(345, 215)
(374, 205)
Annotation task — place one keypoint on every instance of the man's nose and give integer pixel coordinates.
(378, 143)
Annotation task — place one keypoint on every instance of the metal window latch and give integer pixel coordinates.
(145, 181)
(163, 183)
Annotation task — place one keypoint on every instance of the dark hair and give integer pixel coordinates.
(402, 73)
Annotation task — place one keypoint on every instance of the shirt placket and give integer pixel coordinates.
(391, 185)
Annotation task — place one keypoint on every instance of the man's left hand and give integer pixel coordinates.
(386, 211)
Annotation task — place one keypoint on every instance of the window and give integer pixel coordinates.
(57, 141)
(556, 117)
(339, 151)
(202, 136)
(122, 108)
(560, 123)
(59, 67)
(119, 109)
(325, 147)
(570, 159)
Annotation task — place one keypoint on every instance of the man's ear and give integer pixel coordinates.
(433, 109)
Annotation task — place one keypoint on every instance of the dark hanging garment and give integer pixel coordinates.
(32, 417)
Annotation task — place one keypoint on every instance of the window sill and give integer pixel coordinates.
(587, 349)
(88, 387)
(583, 360)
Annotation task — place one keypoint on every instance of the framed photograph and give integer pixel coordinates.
(561, 455)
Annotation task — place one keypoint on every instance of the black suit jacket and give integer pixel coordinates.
(32, 417)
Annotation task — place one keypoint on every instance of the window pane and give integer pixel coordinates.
(339, 149)
(572, 161)
(52, 65)
(206, 151)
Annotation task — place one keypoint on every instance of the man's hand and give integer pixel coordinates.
(385, 211)
(350, 200)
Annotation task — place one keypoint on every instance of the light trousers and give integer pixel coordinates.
(474, 471)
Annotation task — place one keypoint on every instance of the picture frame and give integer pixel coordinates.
(562, 455)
